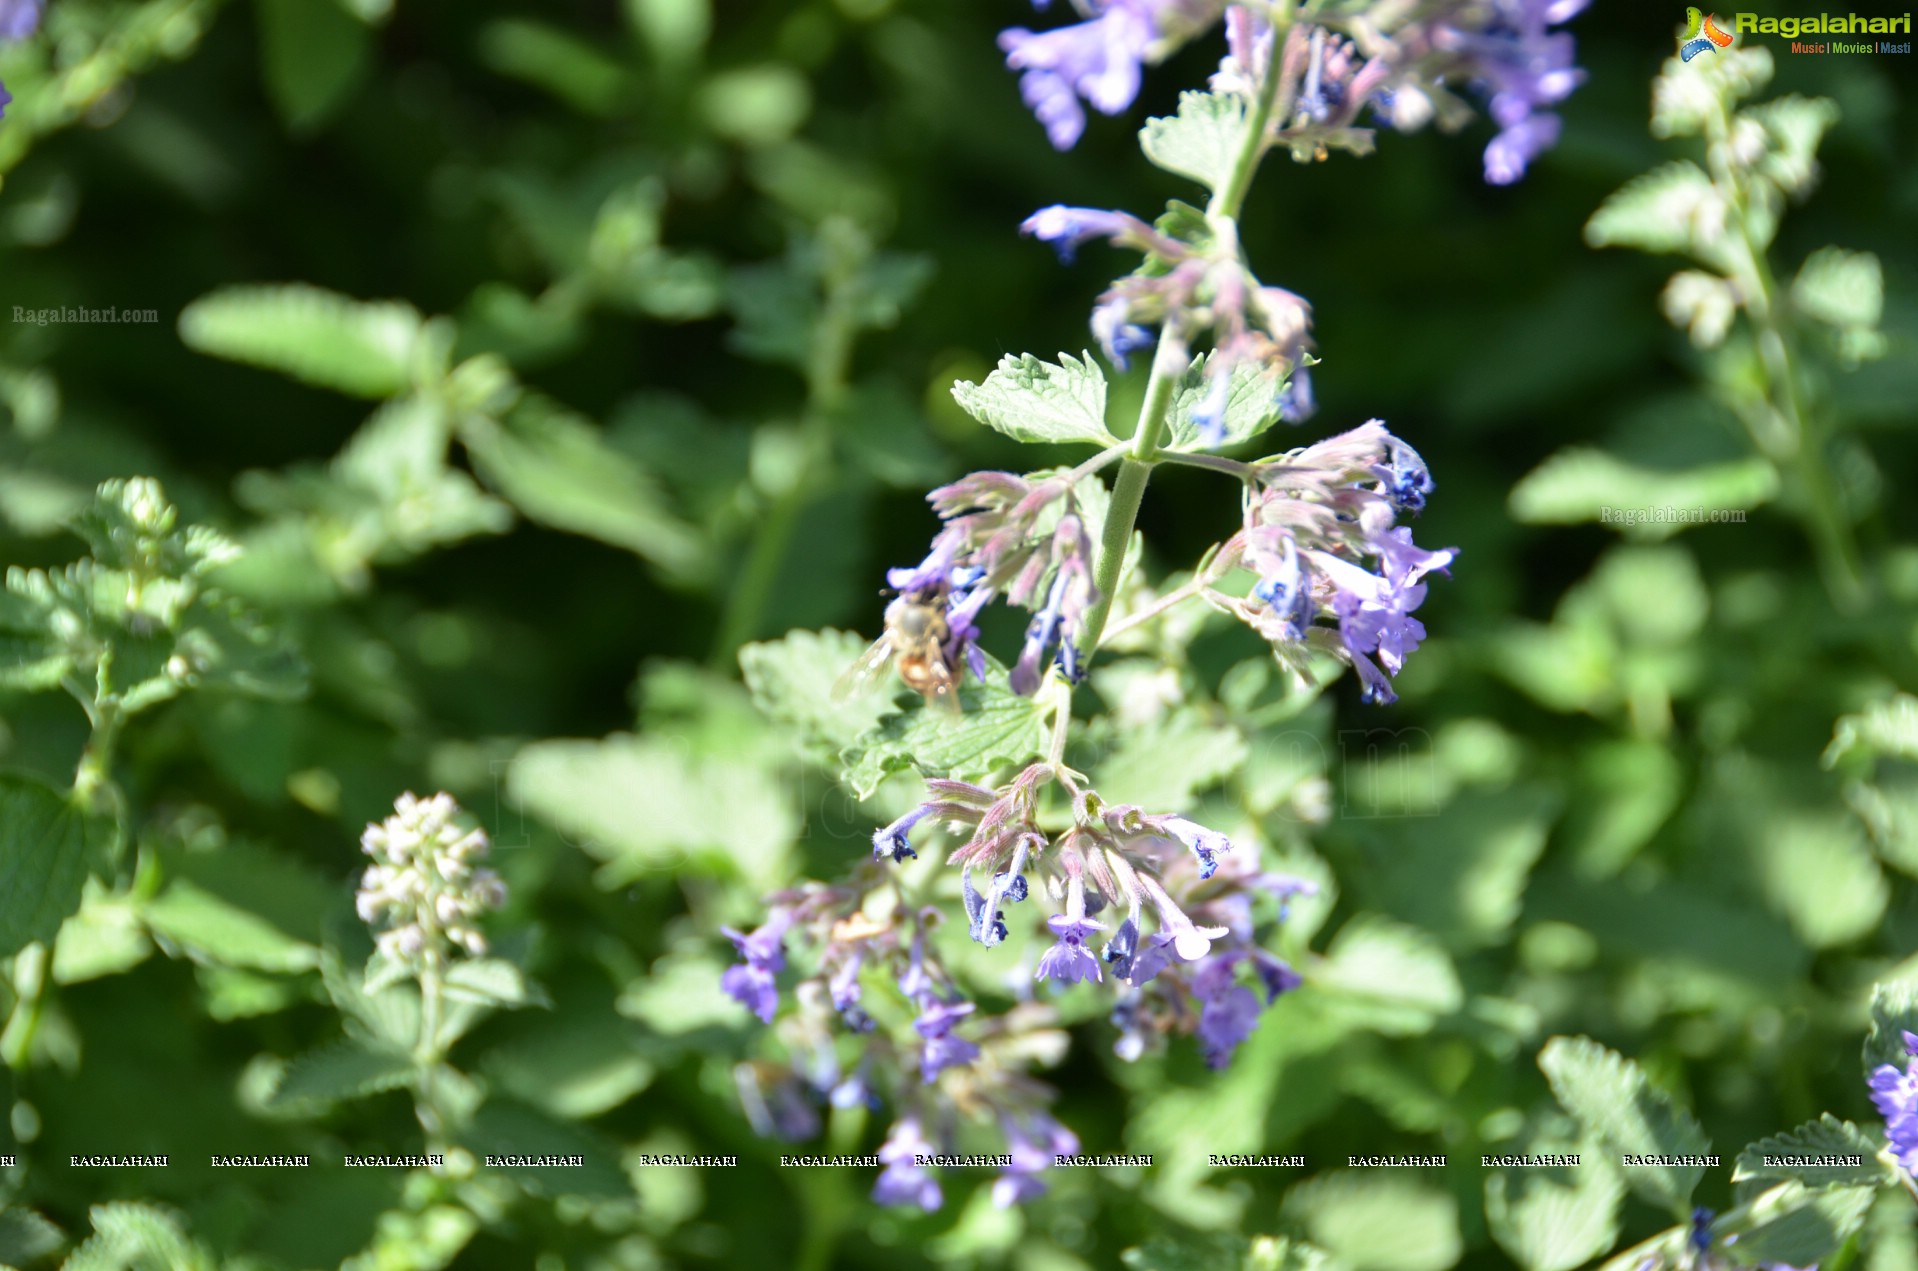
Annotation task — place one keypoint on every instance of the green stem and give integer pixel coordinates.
(93, 779)
(1169, 361)
(427, 1056)
(30, 973)
(1823, 511)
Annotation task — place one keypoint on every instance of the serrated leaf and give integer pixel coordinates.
(1580, 484)
(225, 646)
(356, 347)
(557, 469)
(1378, 1221)
(1611, 1097)
(1395, 977)
(1200, 142)
(1251, 403)
(995, 728)
(1554, 1219)
(213, 930)
(793, 681)
(1794, 1226)
(1894, 1012)
(1031, 400)
(506, 1127)
(103, 938)
(1166, 763)
(641, 804)
(1825, 1137)
(1888, 728)
(1672, 208)
(342, 1071)
(130, 1236)
(1845, 289)
(1195, 1251)
(1794, 126)
(45, 843)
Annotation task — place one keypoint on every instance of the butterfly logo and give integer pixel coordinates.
(1702, 32)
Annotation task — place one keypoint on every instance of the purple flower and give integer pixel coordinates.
(1374, 612)
(983, 920)
(1032, 1150)
(1117, 334)
(1119, 950)
(775, 1103)
(892, 841)
(19, 19)
(1098, 60)
(1229, 1014)
(1522, 67)
(1405, 480)
(1207, 845)
(1276, 976)
(1151, 959)
(1896, 1094)
(904, 1181)
(1067, 228)
(1296, 403)
(942, 1050)
(751, 983)
(6, 99)
(1069, 961)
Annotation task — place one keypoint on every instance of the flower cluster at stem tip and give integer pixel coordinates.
(1164, 914)
(19, 19)
(424, 886)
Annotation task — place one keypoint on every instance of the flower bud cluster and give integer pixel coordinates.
(424, 884)
(1321, 535)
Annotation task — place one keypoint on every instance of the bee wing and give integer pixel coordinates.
(859, 677)
(944, 693)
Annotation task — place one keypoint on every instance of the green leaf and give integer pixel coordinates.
(1794, 127)
(1888, 728)
(104, 938)
(1611, 1097)
(1894, 1012)
(1202, 141)
(1554, 1219)
(223, 645)
(1818, 872)
(574, 1066)
(1627, 790)
(556, 468)
(1844, 289)
(1580, 484)
(342, 1071)
(640, 804)
(1030, 400)
(995, 728)
(26, 1236)
(1166, 763)
(576, 71)
(1251, 403)
(1825, 1137)
(1673, 208)
(1394, 977)
(793, 681)
(1794, 1226)
(1195, 1251)
(505, 1127)
(1378, 1221)
(137, 1237)
(360, 348)
(313, 54)
(45, 846)
(212, 930)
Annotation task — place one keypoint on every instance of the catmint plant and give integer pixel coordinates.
(1759, 340)
(1158, 912)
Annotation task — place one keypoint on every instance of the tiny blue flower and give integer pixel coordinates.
(1069, 961)
(1895, 1093)
(892, 841)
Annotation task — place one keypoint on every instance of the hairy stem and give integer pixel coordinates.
(427, 1054)
(1823, 509)
(1169, 361)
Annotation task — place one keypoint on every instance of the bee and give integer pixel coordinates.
(915, 641)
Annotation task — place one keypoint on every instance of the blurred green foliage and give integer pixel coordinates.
(538, 359)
